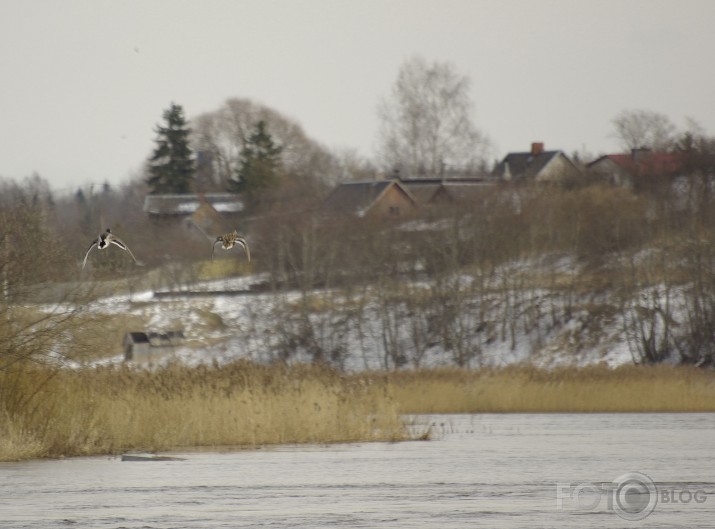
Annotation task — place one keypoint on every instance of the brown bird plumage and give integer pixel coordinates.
(228, 241)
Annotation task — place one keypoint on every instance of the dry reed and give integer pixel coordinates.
(528, 389)
(50, 413)
(111, 410)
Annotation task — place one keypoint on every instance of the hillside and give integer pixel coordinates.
(224, 319)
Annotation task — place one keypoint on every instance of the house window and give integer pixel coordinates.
(394, 211)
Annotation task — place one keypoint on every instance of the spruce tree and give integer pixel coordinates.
(171, 167)
(260, 165)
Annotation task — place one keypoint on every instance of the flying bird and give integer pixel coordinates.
(103, 241)
(228, 241)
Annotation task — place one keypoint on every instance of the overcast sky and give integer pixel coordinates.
(84, 83)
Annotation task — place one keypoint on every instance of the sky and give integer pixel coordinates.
(84, 83)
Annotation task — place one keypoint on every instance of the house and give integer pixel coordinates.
(141, 346)
(374, 198)
(182, 206)
(209, 214)
(440, 191)
(536, 165)
(624, 169)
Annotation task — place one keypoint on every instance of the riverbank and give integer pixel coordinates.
(59, 412)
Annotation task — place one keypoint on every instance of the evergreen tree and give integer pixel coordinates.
(260, 165)
(171, 167)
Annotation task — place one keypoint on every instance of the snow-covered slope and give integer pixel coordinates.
(230, 321)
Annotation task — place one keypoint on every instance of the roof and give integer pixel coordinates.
(359, 197)
(645, 162)
(155, 339)
(426, 190)
(422, 191)
(518, 165)
(462, 191)
(184, 205)
(136, 337)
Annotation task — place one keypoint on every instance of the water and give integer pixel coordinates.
(478, 471)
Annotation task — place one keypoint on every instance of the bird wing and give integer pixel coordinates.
(213, 250)
(242, 242)
(120, 243)
(94, 243)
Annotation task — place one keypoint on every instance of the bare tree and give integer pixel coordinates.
(37, 313)
(644, 128)
(426, 124)
(350, 165)
(220, 136)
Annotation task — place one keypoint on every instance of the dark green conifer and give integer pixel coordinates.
(171, 167)
(260, 165)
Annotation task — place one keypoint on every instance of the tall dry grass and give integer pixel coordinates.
(110, 410)
(528, 389)
(46, 413)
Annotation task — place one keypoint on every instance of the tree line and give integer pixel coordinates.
(427, 129)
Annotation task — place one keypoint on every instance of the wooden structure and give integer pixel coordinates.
(442, 191)
(142, 346)
(183, 206)
(373, 198)
(204, 214)
(536, 165)
(624, 169)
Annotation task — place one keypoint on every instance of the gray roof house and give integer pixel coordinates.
(373, 198)
(436, 191)
(186, 205)
(206, 214)
(536, 165)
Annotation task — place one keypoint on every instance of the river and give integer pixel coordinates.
(495, 470)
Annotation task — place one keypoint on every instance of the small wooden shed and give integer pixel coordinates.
(140, 346)
(135, 343)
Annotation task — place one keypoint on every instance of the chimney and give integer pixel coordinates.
(537, 147)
